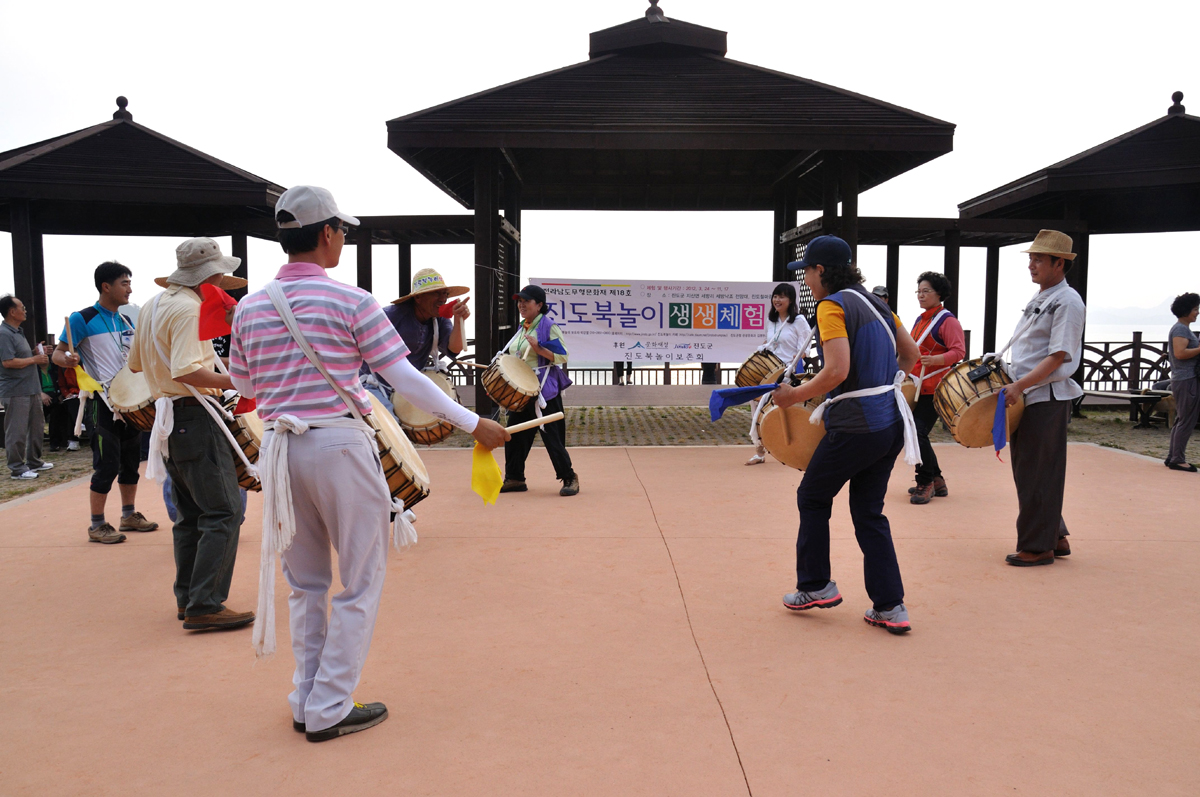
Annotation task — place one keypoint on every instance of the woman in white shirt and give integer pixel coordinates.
(787, 331)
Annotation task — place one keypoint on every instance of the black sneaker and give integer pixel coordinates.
(360, 718)
(514, 486)
(299, 727)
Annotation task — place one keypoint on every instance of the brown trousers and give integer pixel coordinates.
(1039, 464)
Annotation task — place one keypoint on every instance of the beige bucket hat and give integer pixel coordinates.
(1051, 242)
(197, 259)
(428, 280)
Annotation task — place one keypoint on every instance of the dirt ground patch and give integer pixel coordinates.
(68, 465)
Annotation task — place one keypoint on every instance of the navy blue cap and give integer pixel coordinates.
(824, 250)
(532, 293)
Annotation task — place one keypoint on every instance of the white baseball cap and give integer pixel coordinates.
(309, 204)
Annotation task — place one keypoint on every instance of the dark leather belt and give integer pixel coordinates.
(187, 401)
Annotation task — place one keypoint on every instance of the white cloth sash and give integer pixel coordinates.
(279, 520)
(921, 377)
(912, 452)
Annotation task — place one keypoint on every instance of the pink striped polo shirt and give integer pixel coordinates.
(344, 325)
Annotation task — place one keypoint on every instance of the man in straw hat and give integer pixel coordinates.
(180, 371)
(297, 347)
(418, 318)
(1046, 348)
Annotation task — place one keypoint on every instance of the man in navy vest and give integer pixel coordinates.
(865, 352)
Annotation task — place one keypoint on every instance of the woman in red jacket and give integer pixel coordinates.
(939, 336)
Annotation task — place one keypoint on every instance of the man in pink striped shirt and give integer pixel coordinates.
(333, 474)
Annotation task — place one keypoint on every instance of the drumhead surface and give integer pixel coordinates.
(974, 427)
(395, 439)
(519, 374)
(796, 449)
(252, 425)
(129, 391)
(412, 415)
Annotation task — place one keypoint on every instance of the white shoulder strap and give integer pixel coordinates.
(878, 315)
(932, 324)
(275, 293)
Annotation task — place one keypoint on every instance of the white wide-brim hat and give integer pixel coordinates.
(428, 280)
(198, 259)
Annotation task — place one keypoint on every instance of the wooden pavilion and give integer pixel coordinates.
(657, 118)
(121, 178)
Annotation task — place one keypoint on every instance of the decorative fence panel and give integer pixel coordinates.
(1125, 366)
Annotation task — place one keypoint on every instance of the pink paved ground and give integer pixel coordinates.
(631, 641)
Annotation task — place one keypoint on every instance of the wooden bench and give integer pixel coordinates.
(1142, 404)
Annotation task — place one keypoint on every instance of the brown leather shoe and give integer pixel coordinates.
(921, 494)
(137, 522)
(179, 610)
(513, 486)
(1028, 558)
(1063, 548)
(105, 534)
(222, 620)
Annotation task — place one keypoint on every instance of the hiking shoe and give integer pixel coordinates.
(939, 487)
(825, 598)
(921, 494)
(359, 719)
(26, 476)
(1063, 548)
(225, 619)
(106, 534)
(570, 486)
(137, 522)
(895, 620)
(513, 486)
(45, 466)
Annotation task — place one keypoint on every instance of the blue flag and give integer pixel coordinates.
(1000, 424)
(725, 398)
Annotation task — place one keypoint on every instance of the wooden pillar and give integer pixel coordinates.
(405, 272)
(362, 246)
(831, 174)
(1077, 278)
(239, 247)
(893, 275)
(29, 269)
(990, 294)
(848, 187)
(487, 232)
(953, 251)
(785, 219)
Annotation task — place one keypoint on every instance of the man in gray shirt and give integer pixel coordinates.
(1046, 349)
(21, 394)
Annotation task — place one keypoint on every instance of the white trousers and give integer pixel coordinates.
(340, 500)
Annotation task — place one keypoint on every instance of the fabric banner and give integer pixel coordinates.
(657, 321)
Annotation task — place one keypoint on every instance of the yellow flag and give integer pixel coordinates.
(485, 474)
(85, 381)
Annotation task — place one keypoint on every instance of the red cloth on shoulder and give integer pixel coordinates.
(212, 312)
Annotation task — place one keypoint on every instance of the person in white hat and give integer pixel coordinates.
(1046, 348)
(297, 347)
(180, 370)
(417, 316)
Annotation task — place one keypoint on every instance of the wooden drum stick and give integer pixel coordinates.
(520, 427)
(472, 364)
(70, 343)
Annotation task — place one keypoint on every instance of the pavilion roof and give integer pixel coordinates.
(1147, 180)
(120, 177)
(659, 118)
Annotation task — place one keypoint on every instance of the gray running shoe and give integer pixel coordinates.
(894, 620)
(825, 598)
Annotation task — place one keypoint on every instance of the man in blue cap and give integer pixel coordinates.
(865, 353)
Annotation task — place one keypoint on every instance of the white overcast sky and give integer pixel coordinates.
(299, 92)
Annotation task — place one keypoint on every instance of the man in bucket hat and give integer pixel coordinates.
(181, 372)
(1046, 348)
(323, 485)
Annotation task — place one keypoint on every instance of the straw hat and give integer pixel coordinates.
(197, 259)
(1052, 242)
(428, 280)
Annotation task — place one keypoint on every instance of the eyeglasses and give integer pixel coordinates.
(924, 291)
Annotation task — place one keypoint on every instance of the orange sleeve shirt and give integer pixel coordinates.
(831, 321)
